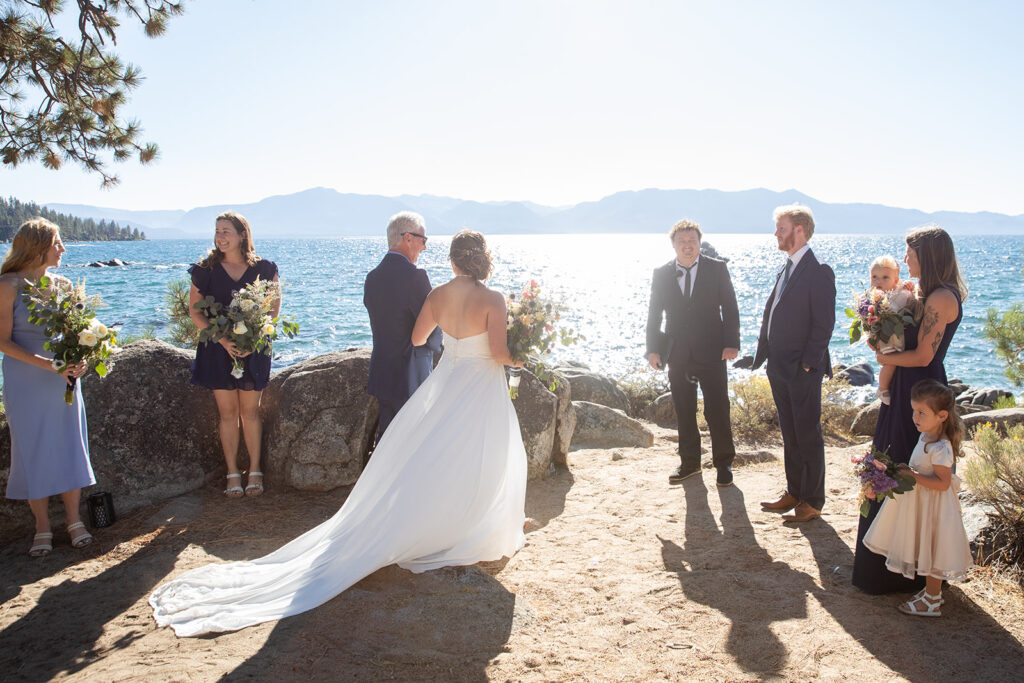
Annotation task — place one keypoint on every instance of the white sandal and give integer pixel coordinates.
(79, 540)
(254, 489)
(236, 490)
(932, 603)
(42, 544)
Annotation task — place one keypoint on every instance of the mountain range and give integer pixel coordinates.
(323, 212)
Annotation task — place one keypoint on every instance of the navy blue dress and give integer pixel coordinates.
(896, 433)
(212, 366)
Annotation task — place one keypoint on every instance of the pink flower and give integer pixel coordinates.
(856, 459)
(869, 491)
(878, 464)
(871, 308)
(872, 320)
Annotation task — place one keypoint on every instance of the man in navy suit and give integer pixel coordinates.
(393, 295)
(694, 295)
(795, 331)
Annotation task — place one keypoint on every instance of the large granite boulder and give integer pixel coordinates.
(152, 434)
(859, 375)
(594, 388)
(546, 421)
(599, 426)
(662, 412)
(983, 397)
(744, 363)
(1002, 419)
(866, 420)
(319, 421)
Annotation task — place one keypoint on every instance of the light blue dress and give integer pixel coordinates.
(49, 439)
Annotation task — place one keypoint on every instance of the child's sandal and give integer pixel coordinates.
(81, 539)
(931, 605)
(42, 544)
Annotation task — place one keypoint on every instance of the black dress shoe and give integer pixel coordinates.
(724, 476)
(683, 472)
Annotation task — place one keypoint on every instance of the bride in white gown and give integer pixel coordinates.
(446, 484)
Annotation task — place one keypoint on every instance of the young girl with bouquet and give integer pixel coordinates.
(921, 532)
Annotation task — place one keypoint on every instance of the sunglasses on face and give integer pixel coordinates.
(416, 234)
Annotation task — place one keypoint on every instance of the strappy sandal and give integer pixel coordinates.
(42, 544)
(921, 593)
(254, 488)
(79, 540)
(236, 490)
(931, 603)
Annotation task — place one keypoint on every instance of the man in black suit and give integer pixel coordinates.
(795, 331)
(694, 294)
(393, 295)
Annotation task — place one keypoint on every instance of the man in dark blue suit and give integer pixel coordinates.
(393, 295)
(795, 331)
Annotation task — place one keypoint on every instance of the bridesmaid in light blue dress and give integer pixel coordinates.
(49, 441)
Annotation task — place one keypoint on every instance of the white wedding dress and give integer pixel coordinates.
(445, 486)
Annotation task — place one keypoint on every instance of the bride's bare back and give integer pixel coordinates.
(465, 307)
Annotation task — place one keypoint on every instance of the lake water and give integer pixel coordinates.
(603, 279)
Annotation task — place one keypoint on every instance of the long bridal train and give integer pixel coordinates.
(445, 486)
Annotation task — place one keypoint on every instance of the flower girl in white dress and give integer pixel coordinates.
(446, 484)
(921, 532)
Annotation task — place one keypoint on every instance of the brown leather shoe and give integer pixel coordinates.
(783, 503)
(801, 513)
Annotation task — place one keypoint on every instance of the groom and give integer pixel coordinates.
(795, 331)
(393, 295)
(694, 294)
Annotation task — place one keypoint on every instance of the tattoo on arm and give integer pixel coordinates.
(931, 319)
(935, 344)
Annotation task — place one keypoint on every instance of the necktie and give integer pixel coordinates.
(785, 278)
(684, 271)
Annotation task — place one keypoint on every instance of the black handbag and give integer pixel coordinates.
(101, 509)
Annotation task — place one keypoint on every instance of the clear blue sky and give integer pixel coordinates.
(914, 104)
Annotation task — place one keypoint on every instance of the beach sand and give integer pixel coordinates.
(623, 577)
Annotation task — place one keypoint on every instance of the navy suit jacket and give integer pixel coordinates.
(701, 326)
(393, 295)
(803, 321)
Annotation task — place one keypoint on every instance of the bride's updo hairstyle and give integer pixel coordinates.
(469, 254)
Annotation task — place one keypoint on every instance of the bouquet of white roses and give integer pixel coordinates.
(246, 321)
(68, 316)
(532, 332)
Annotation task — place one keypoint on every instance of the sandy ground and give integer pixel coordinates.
(623, 578)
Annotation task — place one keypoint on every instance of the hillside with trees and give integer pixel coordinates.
(72, 228)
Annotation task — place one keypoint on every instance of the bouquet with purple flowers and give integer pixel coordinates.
(879, 478)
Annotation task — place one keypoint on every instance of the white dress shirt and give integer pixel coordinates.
(693, 276)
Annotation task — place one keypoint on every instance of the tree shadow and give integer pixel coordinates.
(446, 624)
(58, 636)
(717, 568)
(917, 648)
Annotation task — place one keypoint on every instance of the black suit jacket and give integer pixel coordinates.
(803, 321)
(393, 294)
(699, 327)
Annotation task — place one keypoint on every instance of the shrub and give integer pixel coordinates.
(183, 331)
(641, 388)
(753, 410)
(124, 339)
(996, 478)
(837, 408)
(1004, 402)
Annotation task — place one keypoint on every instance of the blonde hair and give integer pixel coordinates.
(798, 214)
(682, 225)
(29, 246)
(885, 262)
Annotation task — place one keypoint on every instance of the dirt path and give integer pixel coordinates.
(623, 578)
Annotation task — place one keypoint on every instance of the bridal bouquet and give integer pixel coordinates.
(68, 316)
(532, 332)
(882, 316)
(879, 478)
(246, 321)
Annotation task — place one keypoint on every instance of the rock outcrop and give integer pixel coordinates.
(866, 420)
(1002, 419)
(319, 421)
(599, 426)
(859, 375)
(594, 388)
(546, 421)
(982, 397)
(662, 412)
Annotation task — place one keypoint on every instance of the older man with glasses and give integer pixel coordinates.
(393, 295)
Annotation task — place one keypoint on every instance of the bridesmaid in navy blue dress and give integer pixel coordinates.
(49, 439)
(228, 267)
(932, 260)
